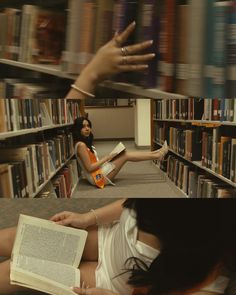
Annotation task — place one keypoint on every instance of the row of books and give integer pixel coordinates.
(194, 183)
(32, 34)
(17, 114)
(65, 181)
(194, 40)
(194, 52)
(24, 169)
(219, 153)
(214, 150)
(195, 109)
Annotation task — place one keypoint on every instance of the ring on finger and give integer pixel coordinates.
(124, 51)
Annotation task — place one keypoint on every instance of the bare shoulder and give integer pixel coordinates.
(81, 147)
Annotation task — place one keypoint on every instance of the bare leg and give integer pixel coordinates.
(87, 273)
(91, 246)
(124, 157)
(7, 237)
(90, 258)
(5, 286)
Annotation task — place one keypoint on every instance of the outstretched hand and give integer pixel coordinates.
(112, 58)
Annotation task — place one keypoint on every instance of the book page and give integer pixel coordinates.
(118, 148)
(44, 271)
(46, 240)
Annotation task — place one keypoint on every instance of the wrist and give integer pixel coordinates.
(87, 79)
(92, 218)
(95, 216)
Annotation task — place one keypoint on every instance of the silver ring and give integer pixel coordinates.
(124, 51)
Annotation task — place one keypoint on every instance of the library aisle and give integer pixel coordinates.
(139, 179)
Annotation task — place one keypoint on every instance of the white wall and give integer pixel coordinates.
(109, 123)
(123, 122)
(142, 125)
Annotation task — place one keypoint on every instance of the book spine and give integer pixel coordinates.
(221, 9)
(196, 37)
(231, 49)
(209, 45)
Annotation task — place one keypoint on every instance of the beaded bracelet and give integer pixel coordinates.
(95, 215)
(82, 91)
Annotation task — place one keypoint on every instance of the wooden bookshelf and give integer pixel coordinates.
(198, 122)
(225, 128)
(50, 178)
(199, 165)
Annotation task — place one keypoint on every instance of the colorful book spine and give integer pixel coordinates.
(167, 66)
(221, 14)
(231, 52)
(181, 70)
(209, 60)
(196, 47)
(147, 30)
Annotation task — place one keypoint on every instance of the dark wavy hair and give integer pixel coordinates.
(77, 136)
(195, 235)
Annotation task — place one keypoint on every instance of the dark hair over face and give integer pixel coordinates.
(195, 235)
(78, 125)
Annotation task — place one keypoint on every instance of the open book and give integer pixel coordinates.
(46, 255)
(118, 148)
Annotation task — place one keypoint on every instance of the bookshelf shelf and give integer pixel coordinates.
(10, 134)
(137, 91)
(198, 122)
(224, 179)
(54, 70)
(140, 91)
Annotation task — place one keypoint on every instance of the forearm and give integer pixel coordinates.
(107, 214)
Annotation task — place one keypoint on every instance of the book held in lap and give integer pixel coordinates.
(46, 256)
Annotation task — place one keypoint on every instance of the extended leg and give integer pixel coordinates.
(91, 247)
(124, 157)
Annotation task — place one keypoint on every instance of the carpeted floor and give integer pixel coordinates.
(136, 179)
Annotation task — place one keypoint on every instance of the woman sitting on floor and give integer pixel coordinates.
(103, 171)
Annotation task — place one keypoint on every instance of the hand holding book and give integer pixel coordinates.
(46, 256)
(76, 220)
(116, 151)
